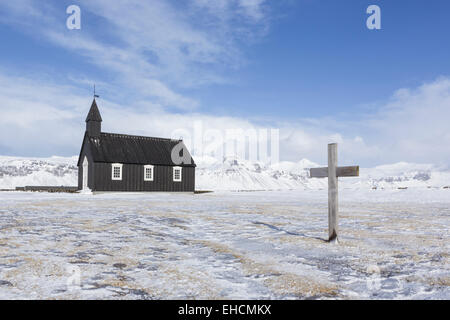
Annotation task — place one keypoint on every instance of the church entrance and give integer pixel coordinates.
(85, 174)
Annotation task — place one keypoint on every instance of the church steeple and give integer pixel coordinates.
(94, 120)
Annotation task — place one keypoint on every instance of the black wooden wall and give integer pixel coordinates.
(133, 179)
(99, 177)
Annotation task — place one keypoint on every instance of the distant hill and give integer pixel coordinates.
(234, 174)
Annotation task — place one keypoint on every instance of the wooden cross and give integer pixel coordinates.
(333, 172)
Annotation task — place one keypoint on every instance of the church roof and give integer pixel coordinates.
(128, 149)
(94, 113)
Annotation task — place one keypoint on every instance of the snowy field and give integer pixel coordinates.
(394, 244)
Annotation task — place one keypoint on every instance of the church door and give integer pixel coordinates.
(85, 173)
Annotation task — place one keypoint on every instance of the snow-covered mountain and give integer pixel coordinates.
(54, 171)
(234, 174)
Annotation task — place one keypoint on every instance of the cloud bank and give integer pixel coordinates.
(152, 49)
(156, 51)
(41, 119)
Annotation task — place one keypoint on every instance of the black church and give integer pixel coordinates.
(120, 162)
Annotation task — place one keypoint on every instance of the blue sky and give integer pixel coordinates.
(310, 68)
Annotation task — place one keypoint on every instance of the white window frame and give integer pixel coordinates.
(181, 174)
(149, 166)
(113, 166)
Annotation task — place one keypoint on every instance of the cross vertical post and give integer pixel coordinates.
(332, 192)
(332, 172)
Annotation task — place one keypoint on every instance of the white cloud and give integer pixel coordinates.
(411, 126)
(414, 124)
(227, 9)
(253, 8)
(154, 47)
(41, 118)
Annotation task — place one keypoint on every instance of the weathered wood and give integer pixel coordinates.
(133, 179)
(350, 171)
(318, 172)
(333, 172)
(332, 192)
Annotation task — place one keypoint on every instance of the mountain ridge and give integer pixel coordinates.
(232, 174)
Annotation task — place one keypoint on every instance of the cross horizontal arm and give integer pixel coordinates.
(351, 171)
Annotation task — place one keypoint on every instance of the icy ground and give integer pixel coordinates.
(250, 245)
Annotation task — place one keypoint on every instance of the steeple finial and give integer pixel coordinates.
(95, 95)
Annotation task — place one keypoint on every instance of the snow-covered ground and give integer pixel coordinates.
(251, 245)
(234, 175)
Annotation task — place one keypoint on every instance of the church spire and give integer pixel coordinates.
(94, 113)
(94, 120)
